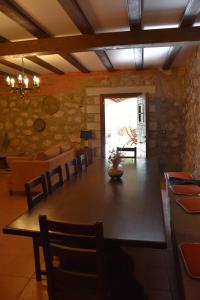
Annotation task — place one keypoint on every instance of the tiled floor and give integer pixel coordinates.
(154, 268)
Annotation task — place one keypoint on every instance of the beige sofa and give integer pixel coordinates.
(26, 168)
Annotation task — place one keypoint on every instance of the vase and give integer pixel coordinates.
(115, 172)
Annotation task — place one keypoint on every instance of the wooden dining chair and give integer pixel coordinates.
(74, 260)
(83, 162)
(54, 179)
(33, 198)
(71, 169)
(36, 191)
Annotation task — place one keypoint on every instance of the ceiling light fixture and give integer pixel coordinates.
(21, 84)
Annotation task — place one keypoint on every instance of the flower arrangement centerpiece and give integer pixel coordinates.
(115, 158)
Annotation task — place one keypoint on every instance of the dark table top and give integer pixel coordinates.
(131, 210)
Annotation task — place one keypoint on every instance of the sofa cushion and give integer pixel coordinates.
(50, 153)
(65, 147)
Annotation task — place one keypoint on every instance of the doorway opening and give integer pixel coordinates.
(125, 123)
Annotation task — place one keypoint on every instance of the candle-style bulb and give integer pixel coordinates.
(8, 80)
(26, 82)
(12, 82)
(20, 78)
(36, 81)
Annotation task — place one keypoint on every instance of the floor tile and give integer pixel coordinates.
(11, 286)
(10, 244)
(18, 265)
(34, 291)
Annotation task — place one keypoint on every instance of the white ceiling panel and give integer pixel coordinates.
(29, 65)
(59, 62)
(90, 60)
(106, 16)
(50, 15)
(160, 5)
(160, 12)
(11, 30)
(155, 57)
(122, 59)
(148, 27)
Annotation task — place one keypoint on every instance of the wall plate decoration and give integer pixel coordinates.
(39, 125)
(50, 105)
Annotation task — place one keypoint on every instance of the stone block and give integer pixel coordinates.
(93, 126)
(95, 109)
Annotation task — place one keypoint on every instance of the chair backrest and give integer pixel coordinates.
(31, 189)
(78, 250)
(71, 169)
(83, 162)
(54, 178)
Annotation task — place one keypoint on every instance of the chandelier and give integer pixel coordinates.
(21, 84)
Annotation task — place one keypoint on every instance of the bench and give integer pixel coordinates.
(128, 149)
(184, 228)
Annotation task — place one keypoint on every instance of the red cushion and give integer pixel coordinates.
(188, 189)
(181, 175)
(191, 256)
(190, 205)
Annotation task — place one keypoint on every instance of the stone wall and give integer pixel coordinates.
(78, 109)
(169, 105)
(191, 114)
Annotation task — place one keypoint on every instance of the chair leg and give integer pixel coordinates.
(37, 259)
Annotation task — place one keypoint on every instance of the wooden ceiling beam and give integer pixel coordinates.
(110, 41)
(138, 57)
(76, 14)
(102, 55)
(16, 67)
(74, 62)
(135, 14)
(135, 21)
(78, 17)
(44, 64)
(190, 14)
(36, 60)
(172, 54)
(6, 74)
(19, 15)
(188, 18)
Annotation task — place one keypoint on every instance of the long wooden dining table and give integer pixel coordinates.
(130, 209)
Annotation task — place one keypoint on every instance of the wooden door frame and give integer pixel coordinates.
(102, 115)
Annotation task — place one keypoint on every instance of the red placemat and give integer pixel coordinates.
(190, 205)
(188, 189)
(191, 257)
(181, 175)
